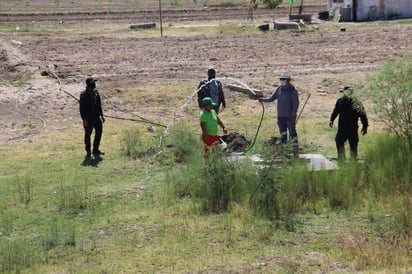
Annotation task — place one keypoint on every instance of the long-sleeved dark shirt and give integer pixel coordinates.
(288, 100)
(349, 110)
(211, 88)
(90, 105)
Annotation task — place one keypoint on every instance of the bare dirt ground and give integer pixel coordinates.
(321, 57)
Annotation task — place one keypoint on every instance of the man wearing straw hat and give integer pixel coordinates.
(287, 108)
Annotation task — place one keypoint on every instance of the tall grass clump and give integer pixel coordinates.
(186, 146)
(213, 184)
(288, 187)
(59, 233)
(343, 188)
(7, 221)
(73, 198)
(19, 188)
(388, 165)
(265, 198)
(395, 228)
(180, 180)
(185, 151)
(281, 190)
(131, 142)
(24, 190)
(388, 168)
(17, 254)
(222, 182)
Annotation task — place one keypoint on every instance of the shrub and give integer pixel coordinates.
(390, 93)
(214, 184)
(265, 200)
(222, 182)
(185, 145)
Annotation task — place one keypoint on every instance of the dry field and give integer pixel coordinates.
(71, 45)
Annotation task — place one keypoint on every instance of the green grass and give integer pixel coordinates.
(125, 214)
(145, 209)
(142, 211)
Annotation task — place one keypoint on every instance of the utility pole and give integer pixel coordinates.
(161, 19)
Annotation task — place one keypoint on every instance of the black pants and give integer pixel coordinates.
(344, 135)
(98, 130)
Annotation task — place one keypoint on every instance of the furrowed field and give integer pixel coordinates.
(152, 204)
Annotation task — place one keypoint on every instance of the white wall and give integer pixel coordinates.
(385, 9)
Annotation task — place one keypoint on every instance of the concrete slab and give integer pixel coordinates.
(315, 162)
(285, 25)
(318, 162)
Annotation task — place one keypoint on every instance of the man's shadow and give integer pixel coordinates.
(89, 161)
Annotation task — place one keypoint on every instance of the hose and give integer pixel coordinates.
(135, 120)
(258, 128)
(264, 176)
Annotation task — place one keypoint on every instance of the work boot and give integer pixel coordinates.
(98, 153)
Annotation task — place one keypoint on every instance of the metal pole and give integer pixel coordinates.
(160, 13)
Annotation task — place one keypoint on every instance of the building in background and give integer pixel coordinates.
(370, 10)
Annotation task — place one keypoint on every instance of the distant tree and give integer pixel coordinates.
(391, 94)
(272, 3)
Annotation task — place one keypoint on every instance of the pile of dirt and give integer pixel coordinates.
(235, 142)
(7, 71)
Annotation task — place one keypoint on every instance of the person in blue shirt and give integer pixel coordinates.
(287, 107)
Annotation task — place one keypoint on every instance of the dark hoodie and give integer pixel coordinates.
(349, 110)
(90, 105)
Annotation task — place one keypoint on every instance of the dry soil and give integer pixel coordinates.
(41, 73)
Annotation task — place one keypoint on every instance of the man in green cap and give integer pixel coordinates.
(209, 121)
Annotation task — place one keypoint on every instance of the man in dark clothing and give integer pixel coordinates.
(92, 115)
(211, 88)
(349, 110)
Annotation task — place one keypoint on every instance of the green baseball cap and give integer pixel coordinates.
(208, 101)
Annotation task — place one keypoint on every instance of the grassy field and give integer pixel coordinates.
(128, 214)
